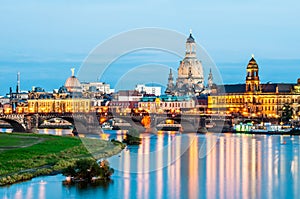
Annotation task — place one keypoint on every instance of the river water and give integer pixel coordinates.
(172, 165)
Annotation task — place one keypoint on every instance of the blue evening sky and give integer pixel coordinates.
(44, 39)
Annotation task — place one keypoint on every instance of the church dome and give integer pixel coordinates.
(72, 84)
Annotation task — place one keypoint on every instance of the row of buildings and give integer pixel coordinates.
(256, 99)
(74, 96)
(187, 93)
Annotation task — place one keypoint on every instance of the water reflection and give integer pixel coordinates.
(193, 183)
(168, 147)
(236, 166)
(42, 189)
(5, 130)
(61, 132)
(243, 166)
(159, 160)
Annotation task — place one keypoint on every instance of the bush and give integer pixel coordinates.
(116, 143)
(132, 137)
(88, 170)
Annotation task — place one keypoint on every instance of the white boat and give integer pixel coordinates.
(106, 126)
(266, 128)
(242, 127)
(269, 128)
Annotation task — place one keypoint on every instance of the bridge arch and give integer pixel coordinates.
(68, 119)
(82, 123)
(136, 124)
(79, 126)
(16, 126)
(161, 120)
(189, 125)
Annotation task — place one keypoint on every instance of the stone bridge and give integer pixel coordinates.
(18, 122)
(90, 122)
(189, 122)
(31, 122)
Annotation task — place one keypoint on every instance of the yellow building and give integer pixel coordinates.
(254, 99)
(166, 103)
(68, 99)
(59, 105)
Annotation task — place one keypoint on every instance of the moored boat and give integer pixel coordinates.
(265, 128)
(106, 126)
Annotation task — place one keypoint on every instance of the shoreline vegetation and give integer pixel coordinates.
(25, 156)
(132, 137)
(88, 172)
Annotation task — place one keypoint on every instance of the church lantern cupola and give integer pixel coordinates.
(252, 78)
(190, 46)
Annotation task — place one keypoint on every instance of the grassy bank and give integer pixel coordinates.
(24, 156)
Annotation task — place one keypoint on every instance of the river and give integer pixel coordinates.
(172, 165)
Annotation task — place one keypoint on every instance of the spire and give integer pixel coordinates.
(210, 75)
(252, 60)
(170, 74)
(170, 77)
(210, 79)
(18, 90)
(170, 85)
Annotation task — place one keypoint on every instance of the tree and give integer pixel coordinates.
(105, 170)
(287, 113)
(88, 170)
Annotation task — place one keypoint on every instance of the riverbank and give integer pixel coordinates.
(25, 156)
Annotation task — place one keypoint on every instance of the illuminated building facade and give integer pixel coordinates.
(72, 97)
(59, 105)
(166, 103)
(122, 107)
(67, 99)
(254, 99)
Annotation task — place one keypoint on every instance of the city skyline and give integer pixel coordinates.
(150, 99)
(39, 39)
(35, 78)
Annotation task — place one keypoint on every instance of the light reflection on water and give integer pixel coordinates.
(61, 132)
(237, 166)
(5, 130)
